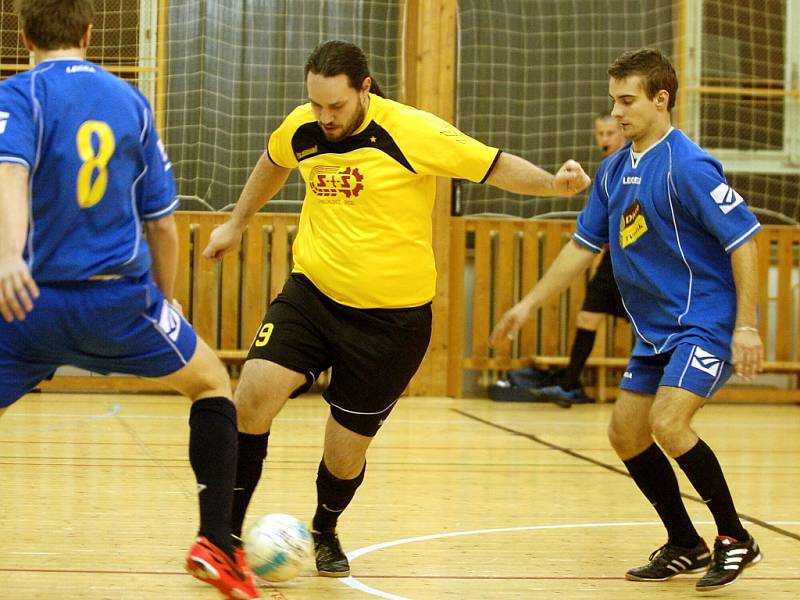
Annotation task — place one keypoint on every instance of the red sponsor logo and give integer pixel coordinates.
(327, 182)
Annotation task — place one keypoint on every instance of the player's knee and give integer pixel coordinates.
(666, 428)
(588, 320)
(258, 397)
(208, 376)
(616, 436)
(346, 460)
(246, 397)
(345, 465)
(626, 440)
(253, 388)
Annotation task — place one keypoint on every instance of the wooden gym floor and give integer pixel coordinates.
(462, 499)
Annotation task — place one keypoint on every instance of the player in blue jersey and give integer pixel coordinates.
(681, 243)
(82, 175)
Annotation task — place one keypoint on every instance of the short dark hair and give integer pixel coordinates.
(341, 58)
(650, 64)
(55, 24)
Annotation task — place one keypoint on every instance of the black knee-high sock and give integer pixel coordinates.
(333, 496)
(705, 473)
(212, 454)
(252, 452)
(581, 349)
(653, 473)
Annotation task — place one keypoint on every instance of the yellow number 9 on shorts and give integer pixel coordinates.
(262, 337)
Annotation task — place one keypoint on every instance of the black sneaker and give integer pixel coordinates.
(671, 560)
(331, 560)
(730, 559)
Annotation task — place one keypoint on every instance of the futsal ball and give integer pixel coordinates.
(277, 547)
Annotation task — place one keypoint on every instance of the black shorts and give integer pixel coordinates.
(602, 293)
(373, 353)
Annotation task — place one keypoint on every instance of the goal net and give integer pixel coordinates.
(531, 78)
(235, 70)
(123, 40)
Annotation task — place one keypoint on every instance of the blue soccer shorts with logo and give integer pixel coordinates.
(118, 326)
(687, 366)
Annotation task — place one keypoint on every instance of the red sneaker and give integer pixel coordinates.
(211, 565)
(241, 561)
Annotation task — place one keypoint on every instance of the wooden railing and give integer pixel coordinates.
(492, 263)
(495, 261)
(226, 301)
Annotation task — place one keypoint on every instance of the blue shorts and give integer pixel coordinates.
(119, 326)
(687, 366)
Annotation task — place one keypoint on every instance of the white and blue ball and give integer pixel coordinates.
(278, 547)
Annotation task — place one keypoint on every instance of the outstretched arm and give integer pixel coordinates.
(264, 182)
(17, 288)
(515, 174)
(570, 262)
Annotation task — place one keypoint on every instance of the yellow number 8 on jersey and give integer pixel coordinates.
(91, 192)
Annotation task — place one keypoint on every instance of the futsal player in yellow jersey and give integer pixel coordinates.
(359, 297)
(365, 229)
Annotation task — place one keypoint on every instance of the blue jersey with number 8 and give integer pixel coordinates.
(97, 169)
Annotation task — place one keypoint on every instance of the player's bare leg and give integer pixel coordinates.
(734, 548)
(631, 435)
(340, 473)
(264, 387)
(588, 320)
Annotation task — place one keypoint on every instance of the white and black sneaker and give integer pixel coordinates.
(671, 560)
(731, 557)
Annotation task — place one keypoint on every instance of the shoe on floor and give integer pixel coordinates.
(560, 396)
(211, 565)
(503, 391)
(240, 556)
(330, 558)
(670, 560)
(730, 559)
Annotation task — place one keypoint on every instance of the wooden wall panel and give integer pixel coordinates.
(235, 292)
(430, 85)
(779, 271)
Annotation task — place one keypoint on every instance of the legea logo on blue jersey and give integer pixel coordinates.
(169, 321)
(3, 120)
(705, 361)
(726, 197)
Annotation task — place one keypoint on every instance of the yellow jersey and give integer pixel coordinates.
(365, 230)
